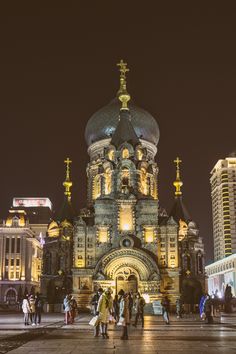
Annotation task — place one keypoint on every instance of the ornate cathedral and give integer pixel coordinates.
(123, 238)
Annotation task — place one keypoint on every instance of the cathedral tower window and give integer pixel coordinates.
(125, 176)
(97, 187)
(107, 177)
(139, 154)
(103, 234)
(125, 153)
(149, 233)
(144, 183)
(111, 155)
(126, 218)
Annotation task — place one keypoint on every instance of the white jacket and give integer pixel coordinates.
(25, 306)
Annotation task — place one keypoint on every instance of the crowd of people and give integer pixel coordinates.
(118, 310)
(32, 306)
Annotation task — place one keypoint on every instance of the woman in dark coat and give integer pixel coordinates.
(124, 313)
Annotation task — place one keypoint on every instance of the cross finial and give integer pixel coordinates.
(123, 95)
(178, 183)
(123, 68)
(67, 184)
(177, 161)
(68, 162)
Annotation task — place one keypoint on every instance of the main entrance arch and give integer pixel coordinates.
(129, 269)
(126, 279)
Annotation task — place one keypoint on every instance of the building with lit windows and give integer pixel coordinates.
(20, 258)
(123, 238)
(220, 274)
(223, 192)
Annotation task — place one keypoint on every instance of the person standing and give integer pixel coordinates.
(228, 297)
(178, 308)
(73, 305)
(208, 309)
(104, 310)
(32, 310)
(139, 309)
(116, 308)
(124, 313)
(67, 309)
(131, 304)
(95, 300)
(26, 310)
(165, 309)
(38, 309)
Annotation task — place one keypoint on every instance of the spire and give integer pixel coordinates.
(67, 184)
(177, 183)
(122, 94)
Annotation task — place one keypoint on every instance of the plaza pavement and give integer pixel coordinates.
(186, 336)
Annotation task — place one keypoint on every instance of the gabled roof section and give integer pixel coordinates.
(179, 211)
(124, 131)
(66, 212)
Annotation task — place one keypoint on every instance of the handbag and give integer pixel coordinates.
(94, 321)
(121, 321)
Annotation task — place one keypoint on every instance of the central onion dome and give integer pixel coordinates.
(103, 123)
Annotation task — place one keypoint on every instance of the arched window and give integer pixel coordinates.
(111, 155)
(47, 263)
(97, 186)
(125, 153)
(199, 263)
(107, 178)
(125, 175)
(144, 184)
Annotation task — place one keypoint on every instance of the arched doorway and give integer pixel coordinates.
(11, 297)
(127, 280)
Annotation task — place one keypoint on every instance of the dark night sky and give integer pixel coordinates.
(58, 66)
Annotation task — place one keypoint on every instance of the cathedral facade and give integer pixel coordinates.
(123, 239)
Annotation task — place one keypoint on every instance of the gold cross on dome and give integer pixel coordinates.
(123, 68)
(178, 162)
(68, 162)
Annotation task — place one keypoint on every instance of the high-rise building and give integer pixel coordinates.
(223, 193)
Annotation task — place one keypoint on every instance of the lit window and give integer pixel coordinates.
(103, 234)
(126, 218)
(149, 234)
(125, 153)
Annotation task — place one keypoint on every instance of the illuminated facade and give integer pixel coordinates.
(220, 274)
(123, 239)
(223, 192)
(20, 258)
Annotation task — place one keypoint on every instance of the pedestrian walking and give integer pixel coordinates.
(38, 309)
(104, 310)
(32, 310)
(178, 308)
(116, 308)
(131, 304)
(208, 309)
(139, 309)
(124, 314)
(74, 307)
(67, 309)
(165, 309)
(95, 300)
(26, 310)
